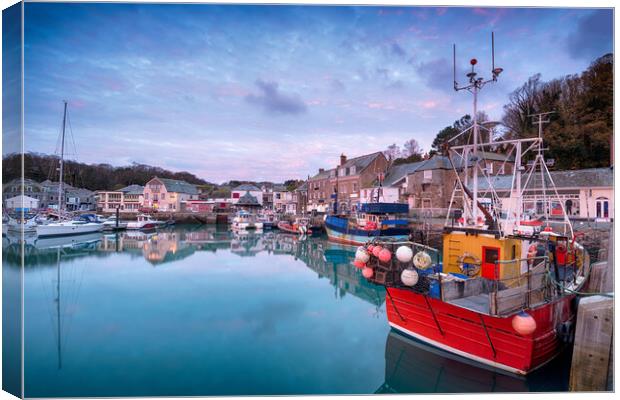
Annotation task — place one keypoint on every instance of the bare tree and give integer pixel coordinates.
(392, 152)
(412, 148)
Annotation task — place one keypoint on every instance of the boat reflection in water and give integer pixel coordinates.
(132, 264)
(414, 367)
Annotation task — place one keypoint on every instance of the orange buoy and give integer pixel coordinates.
(376, 250)
(524, 324)
(359, 264)
(385, 255)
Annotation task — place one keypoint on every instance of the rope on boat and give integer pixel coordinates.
(559, 285)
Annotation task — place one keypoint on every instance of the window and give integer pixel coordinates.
(428, 176)
(355, 187)
(352, 170)
(602, 207)
(163, 196)
(235, 195)
(146, 196)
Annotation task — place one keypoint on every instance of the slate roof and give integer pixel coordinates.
(133, 189)
(443, 162)
(396, 173)
(361, 162)
(581, 178)
(248, 200)
(279, 188)
(247, 187)
(302, 188)
(174, 185)
(323, 175)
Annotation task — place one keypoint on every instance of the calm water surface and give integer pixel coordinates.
(201, 311)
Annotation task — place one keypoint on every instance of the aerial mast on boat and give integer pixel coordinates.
(474, 86)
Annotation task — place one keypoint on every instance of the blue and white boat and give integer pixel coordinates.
(373, 221)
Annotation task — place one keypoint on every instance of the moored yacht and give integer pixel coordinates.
(144, 221)
(65, 227)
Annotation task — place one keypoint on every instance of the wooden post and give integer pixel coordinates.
(593, 341)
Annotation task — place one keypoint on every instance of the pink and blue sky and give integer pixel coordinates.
(275, 92)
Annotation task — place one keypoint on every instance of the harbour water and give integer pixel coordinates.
(196, 310)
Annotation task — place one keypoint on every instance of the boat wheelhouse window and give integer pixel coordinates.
(491, 255)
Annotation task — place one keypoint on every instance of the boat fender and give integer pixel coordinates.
(422, 260)
(469, 268)
(524, 324)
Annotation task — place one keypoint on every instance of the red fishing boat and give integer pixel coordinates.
(502, 290)
(301, 226)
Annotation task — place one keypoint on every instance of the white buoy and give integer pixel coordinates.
(409, 277)
(422, 260)
(362, 255)
(404, 254)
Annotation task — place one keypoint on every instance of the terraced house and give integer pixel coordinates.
(170, 195)
(346, 180)
(128, 199)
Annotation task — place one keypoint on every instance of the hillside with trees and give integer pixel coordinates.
(580, 129)
(40, 167)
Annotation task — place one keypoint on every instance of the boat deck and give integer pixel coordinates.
(478, 303)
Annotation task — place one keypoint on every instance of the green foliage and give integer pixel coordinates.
(293, 184)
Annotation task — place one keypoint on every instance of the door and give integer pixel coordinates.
(489, 256)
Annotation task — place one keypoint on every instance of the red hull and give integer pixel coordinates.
(485, 339)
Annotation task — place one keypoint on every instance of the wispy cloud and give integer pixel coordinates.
(183, 91)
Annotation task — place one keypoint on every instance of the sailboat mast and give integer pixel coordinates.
(62, 154)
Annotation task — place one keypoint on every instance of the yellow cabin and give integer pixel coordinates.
(475, 254)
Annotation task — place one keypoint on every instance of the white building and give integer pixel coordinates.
(19, 202)
(585, 194)
(241, 190)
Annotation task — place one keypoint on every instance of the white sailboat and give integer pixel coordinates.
(66, 227)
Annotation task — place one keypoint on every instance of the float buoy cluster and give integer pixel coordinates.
(404, 254)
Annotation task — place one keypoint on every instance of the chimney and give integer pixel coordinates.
(321, 170)
(343, 159)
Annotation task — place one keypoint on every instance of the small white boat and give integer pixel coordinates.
(111, 224)
(144, 221)
(244, 220)
(68, 228)
(15, 225)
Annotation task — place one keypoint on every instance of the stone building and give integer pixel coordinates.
(344, 182)
(430, 184)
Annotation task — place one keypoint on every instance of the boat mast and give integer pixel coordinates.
(62, 154)
(474, 86)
